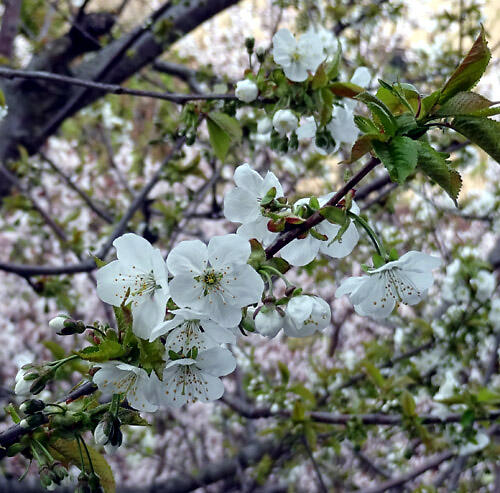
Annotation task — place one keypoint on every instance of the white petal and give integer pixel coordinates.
(258, 229)
(299, 308)
(270, 181)
(159, 266)
(186, 291)
(243, 286)
(165, 327)
(296, 72)
(134, 250)
(113, 282)
(220, 334)
(227, 250)
(284, 45)
(188, 257)
(377, 301)
(349, 286)
(149, 314)
(340, 248)
(221, 312)
(248, 179)
(138, 395)
(214, 388)
(361, 77)
(269, 324)
(216, 361)
(301, 252)
(307, 130)
(241, 206)
(173, 379)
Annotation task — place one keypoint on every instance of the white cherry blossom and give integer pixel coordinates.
(214, 280)
(23, 386)
(342, 127)
(306, 315)
(141, 272)
(406, 280)
(302, 251)
(246, 90)
(484, 282)
(187, 380)
(115, 377)
(284, 122)
(242, 204)
(189, 328)
(297, 58)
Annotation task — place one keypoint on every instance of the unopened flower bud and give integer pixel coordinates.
(285, 121)
(246, 90)
(268, 321)
(32, 406)
(57, 323)
(250, 44)
(261, 54)
(32, 421)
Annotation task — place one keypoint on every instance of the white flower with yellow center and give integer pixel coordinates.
(187, 380)
(189, 328)
(139, 276)
(215, 281)
(406, 280)
(298, 58)
(115, 377)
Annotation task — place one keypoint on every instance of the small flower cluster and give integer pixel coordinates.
(300, 60)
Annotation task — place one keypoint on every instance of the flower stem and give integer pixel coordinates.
(272, 269)
(375, 240)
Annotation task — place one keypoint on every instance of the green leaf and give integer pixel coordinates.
(105, 351)
(219, 139)
(374, 373)
(333, 214)
(301, 390)
(365, 125)
(284, 371)
(279, 263)
(228, 124)
(484, 132)
(463, 103)
(436, 166)
(399, 156)
(57, 351)
(257, 254)
(468, 73)
(428, 103)
(408, 404)
(399, 99)
(67, 452)
(320, 78)
(380, 112)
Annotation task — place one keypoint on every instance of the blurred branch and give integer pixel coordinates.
(10, 24)
(434, 462)
(177, 98)
(89, 265)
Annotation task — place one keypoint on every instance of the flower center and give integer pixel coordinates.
(296, 56)
(211, 281)
(144, 284)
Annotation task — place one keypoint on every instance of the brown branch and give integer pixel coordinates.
(316, 218)
(436, 461)
(177, 98)
(89, 265)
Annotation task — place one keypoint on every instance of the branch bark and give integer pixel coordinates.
(37, 108)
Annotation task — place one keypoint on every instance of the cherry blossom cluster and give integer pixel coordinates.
(203, 296)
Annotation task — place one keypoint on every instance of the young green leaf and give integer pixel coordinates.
(219, 139)
(436, 166)
(399, 156)
(468, 73)
(463, 103)
(380, 112)
(484, 132)
(333, 214)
